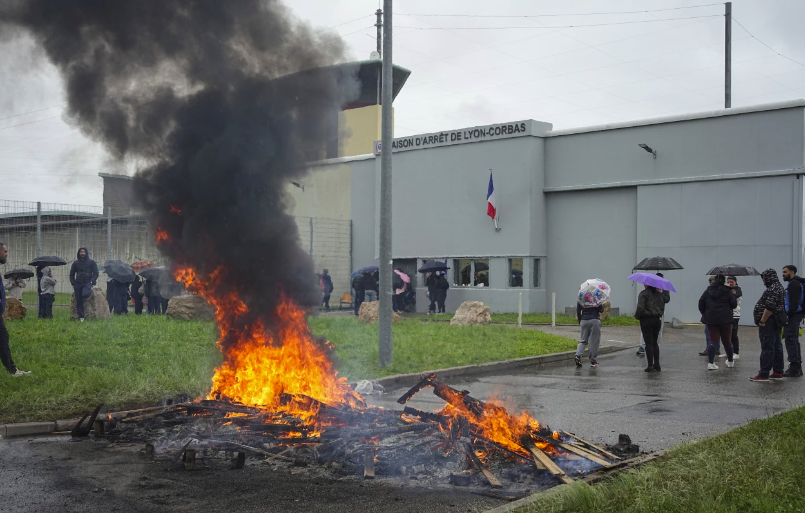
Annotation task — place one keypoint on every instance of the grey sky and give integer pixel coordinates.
(463, 77)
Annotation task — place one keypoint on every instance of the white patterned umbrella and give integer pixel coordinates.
(594, 292)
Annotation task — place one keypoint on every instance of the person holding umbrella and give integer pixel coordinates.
(650, 310)
(440, 289)
(137, 294)
(592, 296)
(716, 305)
(48, 294)
(666, 296)
(14, 287)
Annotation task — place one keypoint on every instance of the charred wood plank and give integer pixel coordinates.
(542, 459)
(80, 430)
(424, 415)
(593, 447)
(368, 464)
(427, 380)
(585, 454)
(493, 481)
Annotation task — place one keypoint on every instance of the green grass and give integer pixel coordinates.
(123, 362)
(420, 346)
(757, 467)
(129, 361)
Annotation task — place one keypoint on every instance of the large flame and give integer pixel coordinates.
(261, 365)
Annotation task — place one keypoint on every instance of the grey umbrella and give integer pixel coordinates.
(658, 263)
(733, 270)
(119, 270)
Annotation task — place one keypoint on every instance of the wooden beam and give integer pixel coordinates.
(585, 454)
(495, 482)
(547, 462)
(368, 464)
(593, 446)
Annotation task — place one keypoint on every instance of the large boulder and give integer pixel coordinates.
(190, 307)
(95, 306)
(471, 313)
(607, 313)
(370, 313)
(14, 310)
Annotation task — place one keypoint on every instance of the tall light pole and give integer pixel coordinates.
(728, 55)
(385, 342)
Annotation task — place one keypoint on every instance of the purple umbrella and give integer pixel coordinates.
(652, 280)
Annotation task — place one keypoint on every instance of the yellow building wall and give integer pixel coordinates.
(358, 129)
(327, 193)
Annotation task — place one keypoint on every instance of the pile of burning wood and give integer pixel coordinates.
(467, 442)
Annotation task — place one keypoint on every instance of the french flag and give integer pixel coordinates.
(491, 210)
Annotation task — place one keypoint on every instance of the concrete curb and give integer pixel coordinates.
(483, 368)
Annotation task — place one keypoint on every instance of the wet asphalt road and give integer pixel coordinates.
(658, 410)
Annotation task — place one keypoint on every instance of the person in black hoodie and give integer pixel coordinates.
(430, 283)
(360, 292)
(83, 276)
(716, 306)
(326, 288)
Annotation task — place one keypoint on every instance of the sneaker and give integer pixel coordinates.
(594, 363)
(760, 378)
(712, 366)
(730, 365)
(641, 351)
(792, 372)
(81, 319)
(703, 353)
(20, 373)
(577, 359)
(776, 375)
(735, 356)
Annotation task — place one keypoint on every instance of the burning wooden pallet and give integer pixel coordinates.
(467, 440)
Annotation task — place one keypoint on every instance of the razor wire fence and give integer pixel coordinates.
(30, 229)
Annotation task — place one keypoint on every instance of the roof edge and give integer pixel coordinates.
(113, 175)
(789, 104)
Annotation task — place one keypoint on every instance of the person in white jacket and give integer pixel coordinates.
(48, 294)
(14, 287)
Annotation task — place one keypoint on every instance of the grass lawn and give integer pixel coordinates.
(422, 346)
(757, 467)
(130, 361)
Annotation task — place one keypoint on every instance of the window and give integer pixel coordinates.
(481, 272)
(515, 272)
(536, 273)
(471, 272)
(462, 272)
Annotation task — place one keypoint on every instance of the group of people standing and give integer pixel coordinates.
(437, 285)
(778, 315)
(367, 288)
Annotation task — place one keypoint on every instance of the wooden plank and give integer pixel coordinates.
(585, 454)
(594, 447)
(427, 379)
(368, 464)
(495, 482)
(547, 462)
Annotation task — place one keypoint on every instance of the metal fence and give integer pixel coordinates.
(31, 229)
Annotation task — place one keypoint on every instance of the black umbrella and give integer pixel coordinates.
(153, 273)
(369, 269)
(21, 273)
(119, 270)
(658, 263)
(434, 266)
(47, 261)
(733, 270)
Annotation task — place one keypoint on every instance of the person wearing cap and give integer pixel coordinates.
(666, 297)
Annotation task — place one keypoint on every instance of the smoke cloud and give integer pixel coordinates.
(207, 94)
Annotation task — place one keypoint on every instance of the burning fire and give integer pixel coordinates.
(161, 235)
(262, 365)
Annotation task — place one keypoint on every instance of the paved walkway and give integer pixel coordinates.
(658, 410)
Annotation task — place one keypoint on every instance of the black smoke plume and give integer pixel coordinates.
(206, 96)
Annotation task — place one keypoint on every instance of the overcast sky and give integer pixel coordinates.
(528, 66)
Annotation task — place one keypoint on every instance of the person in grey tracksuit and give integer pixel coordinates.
(590, 322)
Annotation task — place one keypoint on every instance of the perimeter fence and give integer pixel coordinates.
(30, 229)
